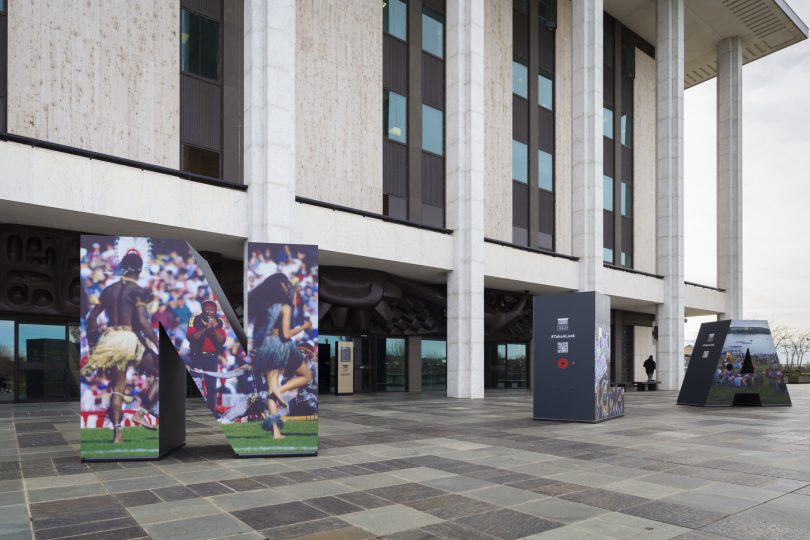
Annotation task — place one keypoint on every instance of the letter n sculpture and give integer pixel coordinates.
(734, 363)
(153, 312)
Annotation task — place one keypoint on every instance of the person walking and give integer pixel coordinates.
(649, 367)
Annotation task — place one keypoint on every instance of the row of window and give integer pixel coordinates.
(520, 85)
(395, 123)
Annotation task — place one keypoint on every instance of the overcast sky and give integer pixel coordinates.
(776, 185)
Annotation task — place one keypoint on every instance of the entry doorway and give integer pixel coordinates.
(380, 362)
(506, 365)
(38, 361)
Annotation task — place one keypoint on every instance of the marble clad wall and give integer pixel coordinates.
(644, 215)
(339, 102)
(99, 75)
(562, 129)
(498, 124)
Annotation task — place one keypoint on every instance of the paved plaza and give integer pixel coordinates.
(414, 467)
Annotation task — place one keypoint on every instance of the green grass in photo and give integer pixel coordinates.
(139, 442)
(301, 437)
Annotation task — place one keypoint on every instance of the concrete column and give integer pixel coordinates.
(465, 197)
(729, 175)
(586, 158)
(670, 195)
(270, 118)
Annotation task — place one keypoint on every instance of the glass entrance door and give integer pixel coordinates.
(507, 365)
(43, 361)
(7, 369)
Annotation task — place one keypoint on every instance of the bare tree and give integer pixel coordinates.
(799, 344)
(780, 335)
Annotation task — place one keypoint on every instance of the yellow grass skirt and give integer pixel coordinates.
(117, 347)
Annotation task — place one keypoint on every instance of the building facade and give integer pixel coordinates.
(451, 158)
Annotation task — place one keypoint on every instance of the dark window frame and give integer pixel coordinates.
(541, 203)
(220, 83)
(621, 76)
(3, 66)
(421, 205)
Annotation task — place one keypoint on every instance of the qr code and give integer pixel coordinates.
(562, 347)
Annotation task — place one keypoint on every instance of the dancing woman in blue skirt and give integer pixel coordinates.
(270, 310)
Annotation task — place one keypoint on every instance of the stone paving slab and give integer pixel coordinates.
(408, 467)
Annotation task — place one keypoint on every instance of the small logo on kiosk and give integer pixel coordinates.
(562, 324)
(711, 338)
(562, 347)
(562, 363)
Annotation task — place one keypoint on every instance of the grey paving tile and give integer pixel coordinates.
(405, 493)
(170, 511)
(333, 505)
(675, 514)
(559, 510)
(326, 528)
(451, 506)
(507, 524)
(749, 527)
(391, 519)
(364, 499)
(137, 498)
(268, 517)
(213, 525)
(174, 493)
(602, 498)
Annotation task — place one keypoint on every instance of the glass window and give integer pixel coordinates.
(434, 365)
(627, 259)
(520, 162)
(548, 13)
(517, 368)
(607, 122)
(607, 254)
(394, 368)
(628, 60)
(545, 92)
(432, 130)
(521, 6)
(607, 46)
(545, 170)
(42, 349)
(395, 116)
(607, 193)
(432, 33)
(627, 200)
(199, 45)
(2, 6)
(520, 79)
(627, 130)
(395, 19)
(6, 359)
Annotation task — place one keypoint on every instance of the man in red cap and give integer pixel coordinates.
(206, 337)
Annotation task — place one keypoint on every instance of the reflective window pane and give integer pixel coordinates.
(627, 200)
(6, 361)
(607, 193)
(42, 349)
(395, 116)
(432, 33)
(607, 123)
(520, 162)
(607, 254)
(545, 92)
(199, 45)
(432, 130)
(394, 367)
(395, 19)
(520, 79)
(517, 368)
(627, 259)
(434, 365)
(545, 171)
(627, 130)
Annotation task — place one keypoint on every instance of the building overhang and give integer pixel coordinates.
(764, 26)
